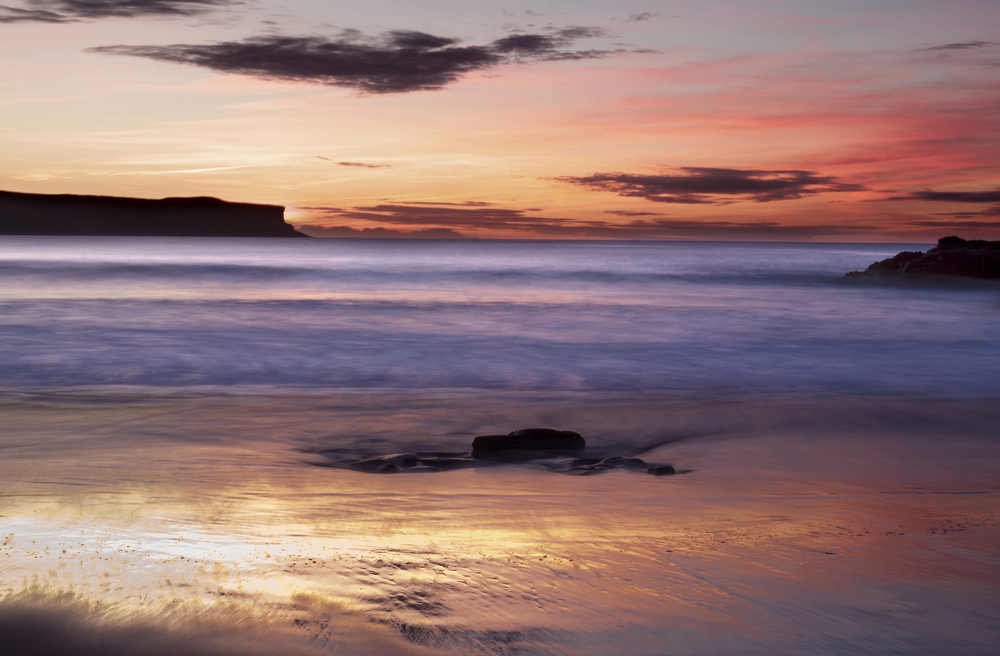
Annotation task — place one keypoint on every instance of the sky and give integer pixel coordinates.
(761, 120)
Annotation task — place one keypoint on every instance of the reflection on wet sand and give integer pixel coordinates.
(198, 524)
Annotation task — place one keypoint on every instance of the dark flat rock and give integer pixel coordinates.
(528, 443)
(952, 257)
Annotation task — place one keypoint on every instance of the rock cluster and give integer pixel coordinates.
(952, 256)
(546, 448)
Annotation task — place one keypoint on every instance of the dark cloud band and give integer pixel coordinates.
(962, 45)
(961, 225)
(971, 214)
(482, 216)
(394, 62)
(954, 196)
(66, 11)
(474, 215)
(347, 232)
(712, 186)
(362, 165)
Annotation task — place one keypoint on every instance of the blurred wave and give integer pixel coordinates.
(767, 319)
(13, 271)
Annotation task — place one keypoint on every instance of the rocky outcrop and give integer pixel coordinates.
(952, 256)
(67, 214)
(543, 448)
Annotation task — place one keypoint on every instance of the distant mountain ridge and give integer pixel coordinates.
(200, 216)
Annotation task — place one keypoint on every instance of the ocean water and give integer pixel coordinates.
(688, 317)
(171, 410)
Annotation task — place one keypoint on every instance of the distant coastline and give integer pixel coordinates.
(80, 215)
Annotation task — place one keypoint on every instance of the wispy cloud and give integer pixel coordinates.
(398, 61)
(962, 45)
(713, 186)
(66, 11)
(961, 225)
(643, 16)
(171, 172)
(20, 15)
(631, 213)
(691, 229)
(464, 203)
(360, 165)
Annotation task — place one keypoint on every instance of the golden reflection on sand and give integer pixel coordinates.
(775, 539)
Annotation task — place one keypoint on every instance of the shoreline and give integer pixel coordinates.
(833, 537)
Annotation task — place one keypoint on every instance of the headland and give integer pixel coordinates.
(202, 216)
(953, 256)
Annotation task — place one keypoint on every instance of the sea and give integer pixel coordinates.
(179, 418)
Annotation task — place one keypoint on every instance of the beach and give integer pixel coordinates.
(171, 410)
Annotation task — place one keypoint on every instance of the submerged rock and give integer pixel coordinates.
(951, 257)
(589, 466)
(662, 470)
(421, 461)
(528, 443)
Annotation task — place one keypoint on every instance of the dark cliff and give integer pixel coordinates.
(67, 214)
(952, 256)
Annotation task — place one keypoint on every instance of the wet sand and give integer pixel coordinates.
(837, 526)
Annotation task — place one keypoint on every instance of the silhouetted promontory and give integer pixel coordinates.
(202, 216)
(952, 256)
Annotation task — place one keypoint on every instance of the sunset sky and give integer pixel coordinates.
(854, 120)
